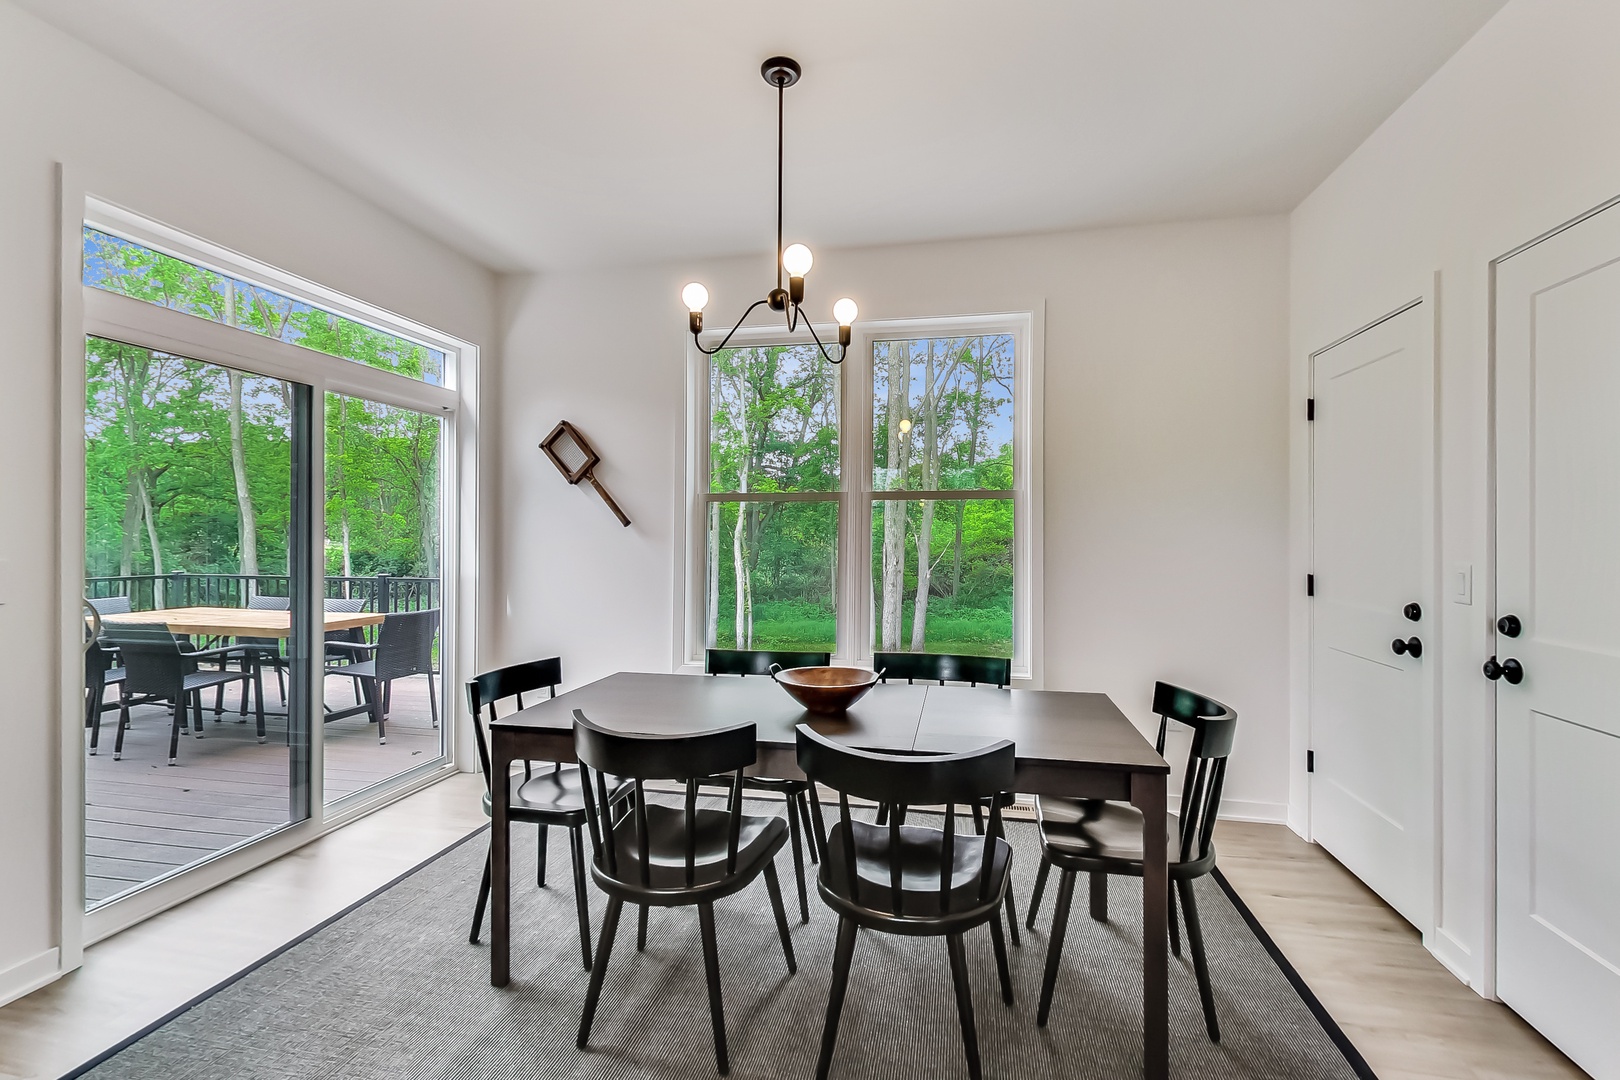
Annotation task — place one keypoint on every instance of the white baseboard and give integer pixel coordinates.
(30, 975)
(1453, 955)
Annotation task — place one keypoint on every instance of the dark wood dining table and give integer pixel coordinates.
(1073, 744)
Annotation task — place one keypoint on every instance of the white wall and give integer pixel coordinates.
(137, 145)
(1165, 458)
(1514, 136)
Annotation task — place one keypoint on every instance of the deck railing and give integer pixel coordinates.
(148, 592)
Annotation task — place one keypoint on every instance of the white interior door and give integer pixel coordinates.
(1372, 625)
(1558, 576)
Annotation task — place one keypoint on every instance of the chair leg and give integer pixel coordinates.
(1054, 948)
(798, 860)
(433, 700)
(604, 949)
(123, 723)
(817, 819)
(92, 719)
(711, 965)
(802, 802)
(483, 901)
(1175, 932)
(379, 712)
(258, 700)
(540, 856)
(581, 903)
(883, 813)
(641, 929)
(1001, 961)
(219, 697)
(1040, 889)
(1195, 938)
(174, 729)
(1099, 896)
(842, 955)
(978, 818)
(197, 715)
(964, 1003)
(281, 684)
(775, 889)
(1011, 903)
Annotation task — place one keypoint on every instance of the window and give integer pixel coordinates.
(772, 507)
(885, 504)
(116, 265)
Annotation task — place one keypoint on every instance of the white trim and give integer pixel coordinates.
(88, 311)
(26, 976)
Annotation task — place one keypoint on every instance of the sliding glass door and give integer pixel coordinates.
(196, 739)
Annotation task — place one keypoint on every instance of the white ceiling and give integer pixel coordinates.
(534, 135)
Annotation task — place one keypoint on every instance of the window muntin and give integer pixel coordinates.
(114, 264)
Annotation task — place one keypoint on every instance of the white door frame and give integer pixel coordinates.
(85, 311)
(1427, 295)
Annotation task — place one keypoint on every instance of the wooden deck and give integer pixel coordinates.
(144, 818)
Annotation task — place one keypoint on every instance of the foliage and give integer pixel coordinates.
(188, 464)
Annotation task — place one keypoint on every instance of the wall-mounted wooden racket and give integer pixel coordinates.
(574, 458)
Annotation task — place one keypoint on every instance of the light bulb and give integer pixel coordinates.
(797, 260)
(695, 296)
(845, 311)
(905, 426)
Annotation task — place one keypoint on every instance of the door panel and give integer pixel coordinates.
(1557, 571)
(1371, 731)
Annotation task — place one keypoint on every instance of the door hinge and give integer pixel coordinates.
(1310, 408)
(1310, 584)
(1310, 761)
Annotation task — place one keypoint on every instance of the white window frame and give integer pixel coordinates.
(89, 311)
(856, 495)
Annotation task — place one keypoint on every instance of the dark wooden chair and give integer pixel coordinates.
(101, 668)
(1102, 838)
(158, 669)
(675, 856)
(945, 668)
(798, 794)
(902, 879)
(404, 647)
(553, 797)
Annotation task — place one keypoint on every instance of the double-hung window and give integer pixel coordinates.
(884, 504)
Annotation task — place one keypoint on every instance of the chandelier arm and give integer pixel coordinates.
(723, 341)
(842, 352)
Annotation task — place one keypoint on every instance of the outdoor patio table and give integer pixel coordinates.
(237, 622)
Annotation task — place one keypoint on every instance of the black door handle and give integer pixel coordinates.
(1509, 626)
(1509, 669)
(1413, 611)
(1410, 647)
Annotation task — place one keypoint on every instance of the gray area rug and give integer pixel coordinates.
(393, 989)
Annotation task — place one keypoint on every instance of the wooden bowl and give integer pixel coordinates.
(825, 690)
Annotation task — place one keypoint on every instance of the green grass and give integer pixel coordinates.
(812, 628)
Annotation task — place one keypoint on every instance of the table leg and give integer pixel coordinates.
(500, 859)
(1148, 796)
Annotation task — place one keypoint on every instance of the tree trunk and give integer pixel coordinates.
(739, 562)
(247, 521)
(925, 528)
(975, 411)
(894, 513)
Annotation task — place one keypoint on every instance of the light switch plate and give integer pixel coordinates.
(1460, 583)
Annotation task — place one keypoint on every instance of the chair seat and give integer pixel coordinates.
(366, 669)
(1094, 834)
(115, 675)
(921, 853)
(758, 841)
(202, 680)
(551, 795)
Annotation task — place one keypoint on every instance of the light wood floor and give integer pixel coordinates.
(1409, 1017)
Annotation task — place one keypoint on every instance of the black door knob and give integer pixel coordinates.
(1509, 626)
(1413, 611)
(1410, 647)
(1492, 669)
(1513, 671)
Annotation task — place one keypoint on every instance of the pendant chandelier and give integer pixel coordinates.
(780, 72)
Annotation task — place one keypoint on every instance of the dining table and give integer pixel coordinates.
(1067, 744)
(237, 622)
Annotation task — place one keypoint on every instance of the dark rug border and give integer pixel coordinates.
(125, 1043)
(1352, 1056)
